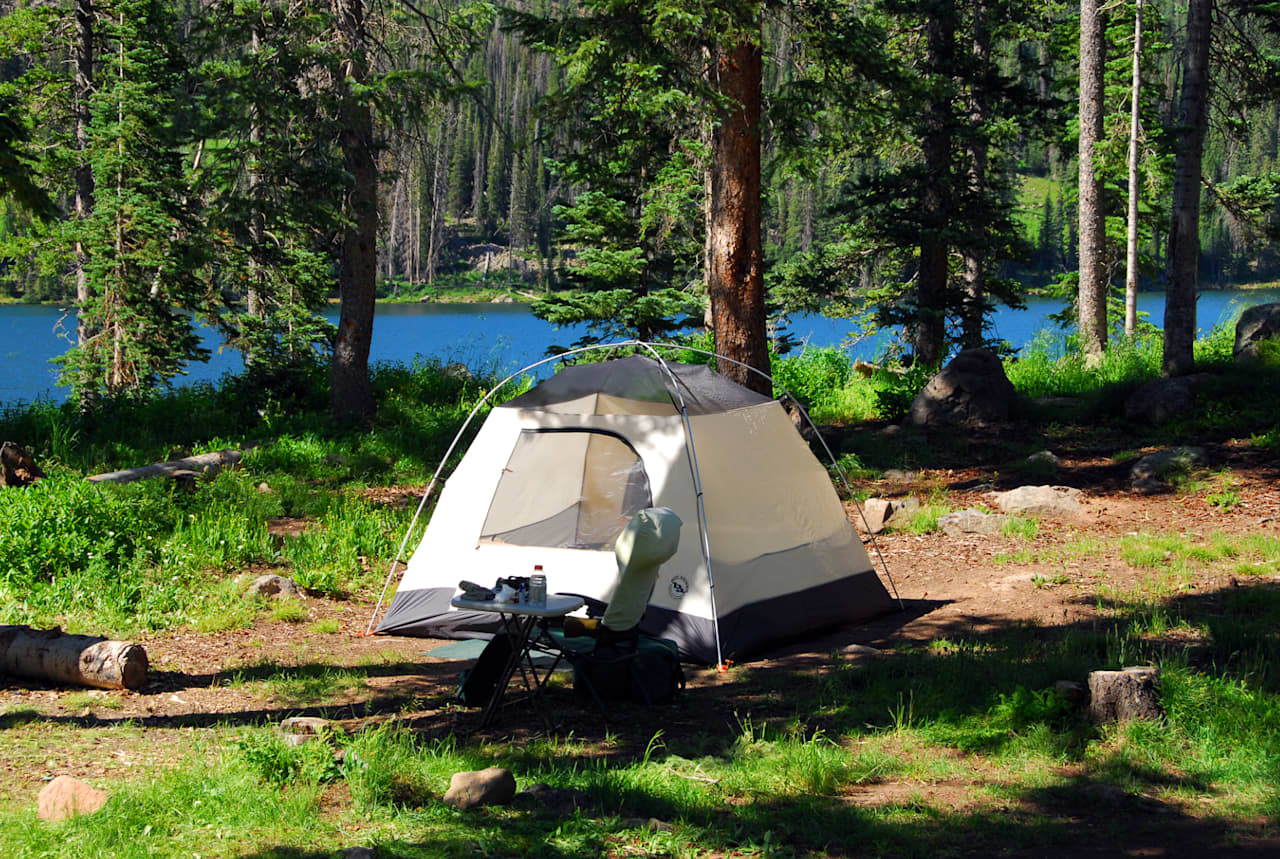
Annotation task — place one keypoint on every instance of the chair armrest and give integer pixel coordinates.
(595, 607)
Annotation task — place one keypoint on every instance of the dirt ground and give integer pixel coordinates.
(950, 587)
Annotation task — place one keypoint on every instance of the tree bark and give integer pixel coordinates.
(1184, 234)
(1131, 236)
(979, 112)
(82, 660)
(929, 335)
(1093, 281)
(204, 463)
(351, 394)
(84, 60)
(735, 258)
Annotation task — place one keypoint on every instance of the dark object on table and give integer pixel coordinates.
(473, 591)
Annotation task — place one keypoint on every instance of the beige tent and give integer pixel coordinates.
(767, 552)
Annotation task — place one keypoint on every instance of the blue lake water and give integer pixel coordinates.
(502, 337)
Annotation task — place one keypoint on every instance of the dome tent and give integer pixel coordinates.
(554, 474)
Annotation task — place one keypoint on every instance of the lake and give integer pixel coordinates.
(500, 337)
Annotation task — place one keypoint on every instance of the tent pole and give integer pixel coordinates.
(692, 456)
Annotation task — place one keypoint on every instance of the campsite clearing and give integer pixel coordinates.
(941, 744)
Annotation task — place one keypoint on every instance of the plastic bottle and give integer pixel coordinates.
(538, 586)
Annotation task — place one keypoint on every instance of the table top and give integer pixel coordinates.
(557, 605)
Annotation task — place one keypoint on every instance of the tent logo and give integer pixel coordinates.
(678, 588)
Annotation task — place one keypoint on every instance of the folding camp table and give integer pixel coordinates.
(519, 620)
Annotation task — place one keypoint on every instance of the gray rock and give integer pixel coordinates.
(66, 797)
(1161, 400)
(903, 512)
(972, 390)
(492, 786)
(458, 371)
(890, 431)
(1039, 501)
(971, 522)
(861, 651)
(1257, 324)
(875, 512)
(1149, 486)
(298, 730)
(274, 586)
(652, 823)
(1043, 462)
(557, 801)
(1168, 462)
(898, 475)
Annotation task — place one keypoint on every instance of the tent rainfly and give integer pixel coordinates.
(553, 475)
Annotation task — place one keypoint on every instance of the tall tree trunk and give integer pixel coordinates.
(257, 217)
(735, 258)
(1093, 280)
(929, 334)
(351, 395)
(1131, 236)
(979, 112)
(84, 59)
(1184, 234)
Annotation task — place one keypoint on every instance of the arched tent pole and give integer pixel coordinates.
(692, 455)
(452, 445)
(831, 456)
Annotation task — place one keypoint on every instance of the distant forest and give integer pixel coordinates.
(205, 155)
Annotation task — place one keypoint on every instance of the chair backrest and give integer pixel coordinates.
(648, 540)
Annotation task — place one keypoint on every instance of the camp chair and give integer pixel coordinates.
(616, 654)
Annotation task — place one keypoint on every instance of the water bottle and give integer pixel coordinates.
(538, 586)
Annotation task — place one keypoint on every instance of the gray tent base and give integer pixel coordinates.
(747, 631)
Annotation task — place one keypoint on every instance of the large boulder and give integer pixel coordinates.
(66, 797)
(492, 786)
(972, 390)
(1258, 323)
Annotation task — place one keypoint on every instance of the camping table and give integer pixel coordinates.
(518, 622)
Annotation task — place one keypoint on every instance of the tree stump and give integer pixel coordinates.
(17, 468)
(1123, 696)
(81, 660)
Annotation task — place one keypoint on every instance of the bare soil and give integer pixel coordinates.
(950, 587)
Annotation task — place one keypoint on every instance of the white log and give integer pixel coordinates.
(80, 660)
(204, 463)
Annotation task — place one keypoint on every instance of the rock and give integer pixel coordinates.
(1149, 486)
(1122, 696)
(1070, 691)
(972, 390)
(971, 522)
(1161, 400)
(492, 786)
(297, 730)
(903, 512)
(890, 431)
(264, 488)
(1058, 403)
(65, 797)
(1257, 324)
(1040, 501)
(861, 651)
(652, 823)
(17, 468)
(458, 371)
(875, 512)
(274, 586)
(556, 801)
(1169, 462)
(1042, 462)
(897, 475)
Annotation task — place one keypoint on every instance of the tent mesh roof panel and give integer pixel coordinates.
(642, 379)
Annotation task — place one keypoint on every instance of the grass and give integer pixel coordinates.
(784, 776)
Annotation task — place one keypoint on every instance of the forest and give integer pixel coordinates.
(640, 164)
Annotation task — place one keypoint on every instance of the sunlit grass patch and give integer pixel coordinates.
(289, 611)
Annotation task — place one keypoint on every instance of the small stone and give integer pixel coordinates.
(65, 797)
(264, 488)
(299, 730)
(1043, 461)
(862, 651)
(274, 586)
(898, 475)
(875, 512)
(492, 786)
(1149, 486)
(964, 522)
(1167, 462)
(890, 431)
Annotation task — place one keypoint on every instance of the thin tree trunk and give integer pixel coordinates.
(980, 109)
(84, 59)
(929, 335)
(257, 218)
(1093, 280)
(1184, 234)
(1131, 237)
(351, 394)
(735, 258)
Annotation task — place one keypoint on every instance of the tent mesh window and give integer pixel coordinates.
(567, 488)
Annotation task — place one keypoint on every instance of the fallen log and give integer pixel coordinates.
(81, 660)
(183, 470)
